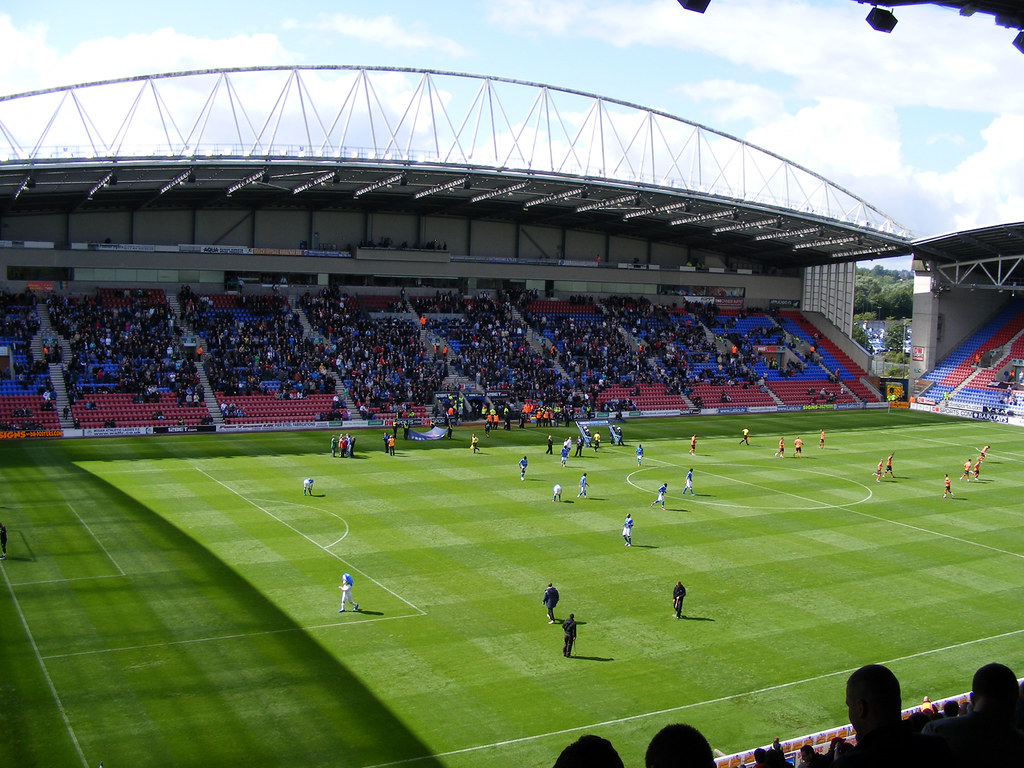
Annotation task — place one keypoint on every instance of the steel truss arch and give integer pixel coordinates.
(453, 121)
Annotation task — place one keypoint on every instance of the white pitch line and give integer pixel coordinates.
(846, 508)
(219, 638)
(68, 581)
(318, 509)
(816, 504)
(46, 672)
(692, 705)
(86, 526)
(307, 538)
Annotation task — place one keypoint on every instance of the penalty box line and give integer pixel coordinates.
(321, 547)
(693, 705)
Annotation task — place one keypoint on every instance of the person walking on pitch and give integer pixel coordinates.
(346, 593)
(550, 600)
(678, 593)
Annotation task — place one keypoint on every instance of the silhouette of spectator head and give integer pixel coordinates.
(760, 756)
(872, 698)
(589, 752)
(994, 692)
(679, 746)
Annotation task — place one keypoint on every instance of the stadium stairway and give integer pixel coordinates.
(56, 370)
(210, 398)
(311, 333)
(538, 342)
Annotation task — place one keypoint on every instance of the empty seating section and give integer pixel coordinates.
(977, 390)
(834, 362)
(117, 409)
(374, 303)
(961, 362)
(810, 392)
(382, 360)
(642, 397)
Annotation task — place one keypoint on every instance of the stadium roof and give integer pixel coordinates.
(988, 257)
(426, 143)
(1007, 13)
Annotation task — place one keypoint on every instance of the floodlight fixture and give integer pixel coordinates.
(722, 214)
(745, 225)
(179, 179)
(698, 6)
(865, 251)
(107, 179)
(611, 203)
(398, 178)
(572, 192)
(667, 208)
(824, 243)
(260, 175)
(881, 20)
(1018, 41)
(321, 179)
(499, 192)
(460, 182)
(789, 233)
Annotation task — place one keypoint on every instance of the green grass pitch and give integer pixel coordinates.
(174, 601)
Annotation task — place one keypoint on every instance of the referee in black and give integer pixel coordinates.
(3, 542)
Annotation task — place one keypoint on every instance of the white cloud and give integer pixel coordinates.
(935, 58)
(29, 62)
(736, 102)
(836, 137)
(384, 32)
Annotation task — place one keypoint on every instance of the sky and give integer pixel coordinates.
(924, 123)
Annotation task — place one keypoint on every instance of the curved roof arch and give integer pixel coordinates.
(494, 145)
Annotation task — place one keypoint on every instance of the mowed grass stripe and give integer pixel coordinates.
(809, 570)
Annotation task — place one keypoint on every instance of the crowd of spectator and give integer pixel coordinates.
(987, 732)
(123, 341)
(530, 350)
(381, 359)
(256, 345)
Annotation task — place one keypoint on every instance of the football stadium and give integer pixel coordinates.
(272, 332)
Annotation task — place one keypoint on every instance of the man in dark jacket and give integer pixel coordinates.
(986, 736)
(883, 740)
(569, 628)
(550, 600)
(678, 593)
